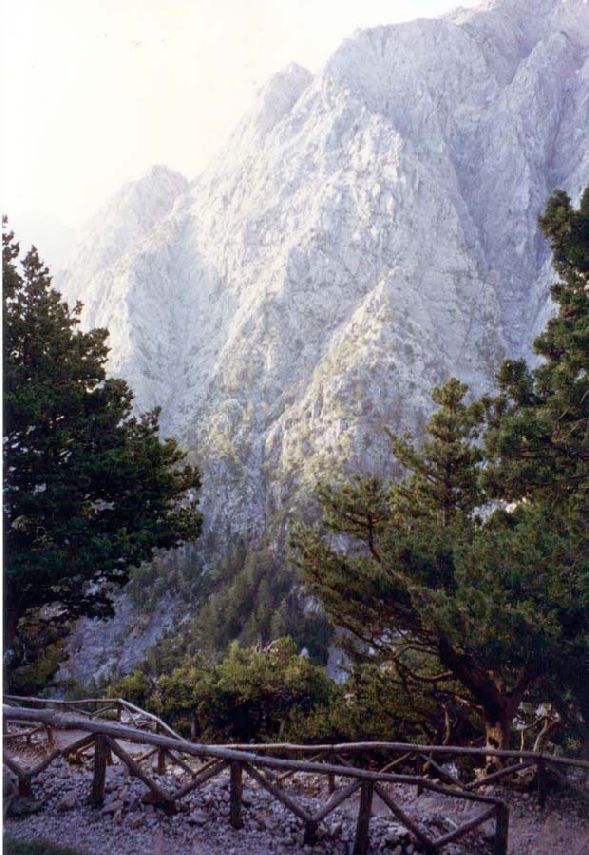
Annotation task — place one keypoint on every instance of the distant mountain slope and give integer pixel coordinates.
(364, 234)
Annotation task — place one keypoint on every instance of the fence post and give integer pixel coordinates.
(364, 813)
(236, 789)
(100, 757)
(161, 761)
(331, 775)
(310, 833)
(419, 772)
(501, 830)
(541, 775)
(161, 756)
(25, 788)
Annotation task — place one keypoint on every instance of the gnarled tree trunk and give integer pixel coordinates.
(498, 732)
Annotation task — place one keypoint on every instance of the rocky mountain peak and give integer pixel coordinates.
(278, 95)
(134, 210)
(365, 234)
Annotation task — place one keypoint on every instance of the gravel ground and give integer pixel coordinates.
(561, 829)
(128, 825)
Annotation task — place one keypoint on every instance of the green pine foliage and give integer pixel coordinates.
(253, 597)
(135, 687)
(430, 575)
(249, 694)
(273, 693)
(377, 704)
(179, 571)
(398, 566)
(539, 441)
(538, 449)
(90, 490)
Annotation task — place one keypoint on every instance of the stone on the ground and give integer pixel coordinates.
(68, 802)
(23, 806)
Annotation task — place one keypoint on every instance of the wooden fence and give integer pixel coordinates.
(119, 708)
(104, 729)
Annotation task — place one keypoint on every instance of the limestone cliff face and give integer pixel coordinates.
(365, 233)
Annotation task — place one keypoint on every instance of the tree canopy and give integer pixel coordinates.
(273, 692)
(90, 490)
(538, 438)
(537, 443)
(474, 568)
(251, 693)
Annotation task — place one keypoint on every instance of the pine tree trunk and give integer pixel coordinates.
(499, 706)
(498, 727)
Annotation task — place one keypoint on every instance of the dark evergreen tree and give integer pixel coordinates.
(538, 445)
(539, 437)
(404, 584)
(90, 490)
(428, 574)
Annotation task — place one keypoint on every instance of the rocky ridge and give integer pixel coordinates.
(365, 233)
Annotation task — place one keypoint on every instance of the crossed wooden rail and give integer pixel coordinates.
(104, 737)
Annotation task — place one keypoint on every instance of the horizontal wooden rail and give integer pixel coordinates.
(408, 747)
(195, 749)
(47, 701)
(258, 767)
(318, 749)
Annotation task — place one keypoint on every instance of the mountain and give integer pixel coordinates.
(364, 234)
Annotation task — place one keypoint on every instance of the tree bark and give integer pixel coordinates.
(498, 703)
(498, 731)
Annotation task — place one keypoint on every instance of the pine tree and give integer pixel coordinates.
(409, 585)
(539, 436)
(497, 602)
(90, 490)
(538, 445)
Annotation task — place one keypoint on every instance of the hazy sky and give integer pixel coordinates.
(97, 91)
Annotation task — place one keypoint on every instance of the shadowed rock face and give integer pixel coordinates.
(365, 233)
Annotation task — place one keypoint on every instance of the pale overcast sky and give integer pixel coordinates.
(94, 92)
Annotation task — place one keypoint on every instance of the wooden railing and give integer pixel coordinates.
(259, 763)
(422, 757)
(123, 710)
